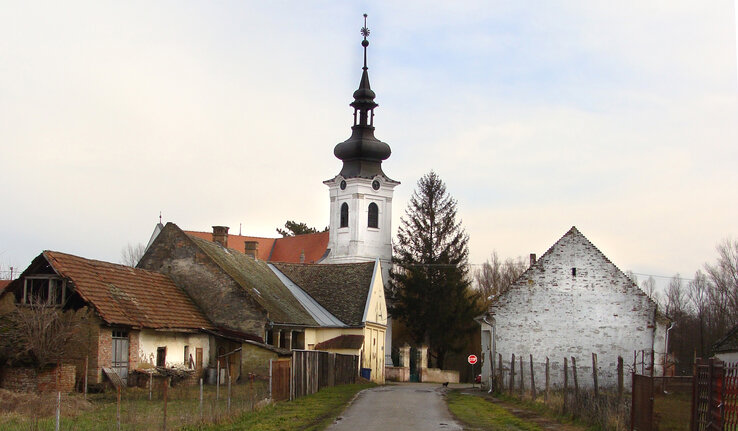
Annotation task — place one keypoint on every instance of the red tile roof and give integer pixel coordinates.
(124, 295)
(238, 242)
(287, 249)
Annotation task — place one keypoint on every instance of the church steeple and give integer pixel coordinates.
(362, 153)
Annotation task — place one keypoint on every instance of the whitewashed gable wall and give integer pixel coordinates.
(551, 313)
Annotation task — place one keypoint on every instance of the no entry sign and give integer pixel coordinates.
(472, 359)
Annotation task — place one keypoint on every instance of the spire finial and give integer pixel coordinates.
(365, 32)
(159, 217)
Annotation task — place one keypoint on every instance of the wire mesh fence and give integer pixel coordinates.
(162, 408)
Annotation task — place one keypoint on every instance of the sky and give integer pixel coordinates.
(620, 118)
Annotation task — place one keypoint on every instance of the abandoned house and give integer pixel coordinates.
(140, 318)
(571, 302)
(286, 306)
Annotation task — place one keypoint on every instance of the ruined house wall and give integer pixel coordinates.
(549, 312)
(220, 298)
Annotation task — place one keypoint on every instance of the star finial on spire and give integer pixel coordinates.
(365, 32)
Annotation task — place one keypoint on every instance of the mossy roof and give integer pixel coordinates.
(255, 277)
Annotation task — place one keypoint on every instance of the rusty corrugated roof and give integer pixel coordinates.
(123, 295)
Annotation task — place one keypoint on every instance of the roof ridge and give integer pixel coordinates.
(120, 265)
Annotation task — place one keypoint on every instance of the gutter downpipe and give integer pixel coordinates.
(490, 357)
(666, 350)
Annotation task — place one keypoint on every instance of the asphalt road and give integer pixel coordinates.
(409, 406)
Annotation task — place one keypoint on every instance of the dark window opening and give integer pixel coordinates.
(373, 215)
(344, 215)
(298, 340)
(161, 356)
(574, 272)
(45, 290)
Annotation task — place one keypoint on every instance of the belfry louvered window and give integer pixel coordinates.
(373, 215)
(344, 215)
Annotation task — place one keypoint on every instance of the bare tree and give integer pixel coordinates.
(675, 303)
(495, 277)
(724, 278)
(42, 334)
(649, 287)
(131, 254)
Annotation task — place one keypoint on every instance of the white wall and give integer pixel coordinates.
(150, 340)
(551, 313)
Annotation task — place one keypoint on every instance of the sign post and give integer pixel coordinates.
(472, 359)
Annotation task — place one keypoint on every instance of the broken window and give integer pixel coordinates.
(49, 290)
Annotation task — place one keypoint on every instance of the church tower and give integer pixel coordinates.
(361, 194)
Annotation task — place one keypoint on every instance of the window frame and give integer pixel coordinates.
(58, 300)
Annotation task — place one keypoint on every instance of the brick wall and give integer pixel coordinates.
(21, 379)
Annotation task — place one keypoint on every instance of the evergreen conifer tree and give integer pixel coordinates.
(429, 283)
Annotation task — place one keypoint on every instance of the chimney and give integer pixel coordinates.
(220, 235)
(532, 259)
(302, 256)
(251, 248)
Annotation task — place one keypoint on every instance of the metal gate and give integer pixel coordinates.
(715, 396)
(120, 354)
(641, 409)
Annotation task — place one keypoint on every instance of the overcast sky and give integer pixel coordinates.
(618, 117)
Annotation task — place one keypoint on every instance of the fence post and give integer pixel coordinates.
(201, 412)
(58, 392)
(512, 374)
(620, 378)
(217, 381)
(576, 381)
(58, 410)
(522, 378)
(117, 408)
(166, 388)
(532, 380)
(270, 378)
(500, 371)
(594, 375)
(547, 381)
(87, 367)
(228, 407)
(566, 383)
(151, 384)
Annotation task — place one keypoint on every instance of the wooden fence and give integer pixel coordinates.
(313, 370)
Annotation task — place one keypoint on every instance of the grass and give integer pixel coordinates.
(480, 414)
(313, 412)
(673, 410)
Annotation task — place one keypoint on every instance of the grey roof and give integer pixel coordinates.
(342, 289)
(317, 311)
(255, 277)
(729, 343)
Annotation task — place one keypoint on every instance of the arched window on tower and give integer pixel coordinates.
(344, 215)
(373, 215)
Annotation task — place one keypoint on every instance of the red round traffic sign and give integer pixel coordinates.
(472, 359)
